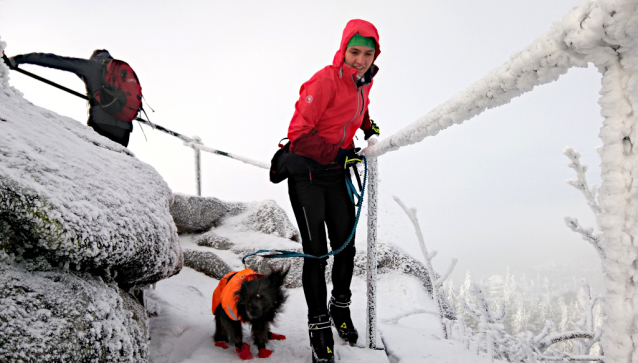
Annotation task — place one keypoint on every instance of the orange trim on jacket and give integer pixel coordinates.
(225, 292)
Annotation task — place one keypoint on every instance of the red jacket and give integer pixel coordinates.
(331, 106)
(225, 293)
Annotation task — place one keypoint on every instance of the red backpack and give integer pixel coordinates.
(121, 92)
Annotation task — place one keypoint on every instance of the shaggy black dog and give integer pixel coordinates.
(259, 301)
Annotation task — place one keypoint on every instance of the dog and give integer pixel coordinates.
(247, 297)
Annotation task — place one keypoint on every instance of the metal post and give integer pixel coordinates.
(372, 187)
(198, 166)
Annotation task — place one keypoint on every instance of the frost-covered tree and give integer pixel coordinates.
(492, 338)
(590, 320)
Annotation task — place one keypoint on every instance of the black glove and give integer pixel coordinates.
(347, 157)
(373, 130)
(13, 61)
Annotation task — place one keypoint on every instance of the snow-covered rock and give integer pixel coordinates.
(200, 214)
(206, 262)
(194, 214)
(59, 316)
(267, 217)
(212, 239)
(77, 198)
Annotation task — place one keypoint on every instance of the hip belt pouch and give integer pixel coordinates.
(278, 170)
(286, 163)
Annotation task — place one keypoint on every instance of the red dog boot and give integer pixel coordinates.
(244, 352)
(264, 353)
(221, 345)
(273, 336)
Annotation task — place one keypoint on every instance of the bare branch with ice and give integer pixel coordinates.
(436, 284)
(580, 182)
(588, 235)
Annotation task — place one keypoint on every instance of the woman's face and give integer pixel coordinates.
(360, 58)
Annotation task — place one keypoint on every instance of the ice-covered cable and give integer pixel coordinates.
(201, 147)
(544, 61)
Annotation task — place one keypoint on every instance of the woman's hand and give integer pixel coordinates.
(347, 157)
(373, 130)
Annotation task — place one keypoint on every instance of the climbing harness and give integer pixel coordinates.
(351, 191)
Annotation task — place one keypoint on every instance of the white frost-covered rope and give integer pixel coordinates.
(259, 164)
(542, 62)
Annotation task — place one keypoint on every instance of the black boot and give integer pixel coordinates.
(339, 308)
(321, 341)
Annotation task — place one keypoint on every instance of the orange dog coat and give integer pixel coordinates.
(225, 292)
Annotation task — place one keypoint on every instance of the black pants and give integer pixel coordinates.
(319, 203)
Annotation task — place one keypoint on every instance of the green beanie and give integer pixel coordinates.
(365, 41)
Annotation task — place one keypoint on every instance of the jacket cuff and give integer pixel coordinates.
(366, 124)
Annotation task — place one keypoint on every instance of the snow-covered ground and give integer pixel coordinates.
(182, 331)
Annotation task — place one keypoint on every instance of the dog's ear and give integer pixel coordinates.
(278, 275)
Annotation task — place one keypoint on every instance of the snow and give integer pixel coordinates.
(53, 315)
(183, 329)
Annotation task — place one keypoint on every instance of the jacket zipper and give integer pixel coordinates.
(356, 112)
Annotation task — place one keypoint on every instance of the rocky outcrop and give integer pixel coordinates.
(65, 316)
(200, 214)
(194, 214)
(268, 217)
(82, 223)
(207, 263)
(77, 198)
(212, 239)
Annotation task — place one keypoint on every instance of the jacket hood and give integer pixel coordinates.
(365, 29)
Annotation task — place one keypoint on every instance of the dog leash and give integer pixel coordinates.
(290, 254)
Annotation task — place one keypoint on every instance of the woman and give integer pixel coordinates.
(332, 106)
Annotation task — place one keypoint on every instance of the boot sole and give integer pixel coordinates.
(350, 338)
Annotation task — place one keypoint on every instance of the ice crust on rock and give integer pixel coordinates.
(57, 316)
(194, 214)
(265, 217)
(77, 198)
(207, 263)
(212, 239)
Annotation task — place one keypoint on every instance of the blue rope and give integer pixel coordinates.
(290, 254)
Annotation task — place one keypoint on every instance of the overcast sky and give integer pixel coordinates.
(490, 192)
